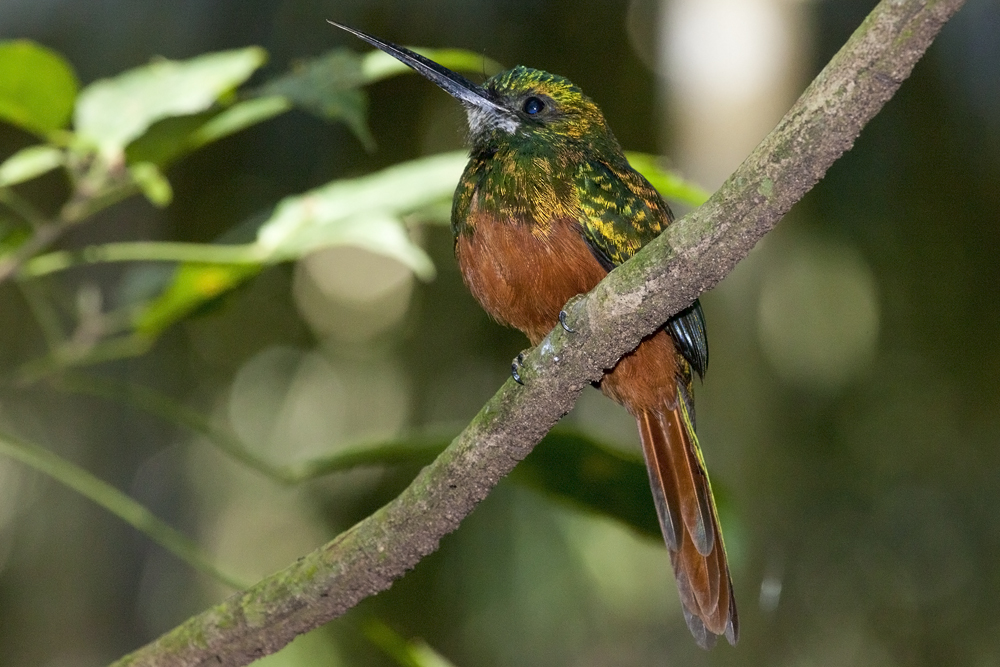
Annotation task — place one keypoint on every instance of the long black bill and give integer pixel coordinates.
(451, 82)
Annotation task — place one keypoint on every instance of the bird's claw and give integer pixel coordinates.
(562, 321)
(515, 368)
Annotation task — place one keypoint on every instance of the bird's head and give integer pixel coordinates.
(520, 107)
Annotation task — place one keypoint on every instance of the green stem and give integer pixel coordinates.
(45, 314)
(143, 251)
(84, 203)
(22, 207)
(72, 353)
(44, 235)
(47, 231)
(115, 502)
(399, 452)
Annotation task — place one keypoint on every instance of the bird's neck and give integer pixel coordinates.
(517, 186)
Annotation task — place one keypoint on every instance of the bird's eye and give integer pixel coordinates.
(533, 106)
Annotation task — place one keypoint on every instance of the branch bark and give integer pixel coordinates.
(693, 255)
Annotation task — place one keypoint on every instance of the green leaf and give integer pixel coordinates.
(378, 231)
(193, 286)
(37, 87)
(11, 237)
(152, 182)
(670, 184)
(166, 140)
(408, 653)
(174, 137)
(29, 163)
(330, 87)
(111, 113)
(579, 470)
(365, 211)
(238, 117)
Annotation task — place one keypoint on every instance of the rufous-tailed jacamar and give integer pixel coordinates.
(546, 207)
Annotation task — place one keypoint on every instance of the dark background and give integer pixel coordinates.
(850, 416)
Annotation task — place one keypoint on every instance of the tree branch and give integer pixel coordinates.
(637, 298)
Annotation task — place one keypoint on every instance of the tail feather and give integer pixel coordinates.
(664, 496)
(686, 478)
(689, 522)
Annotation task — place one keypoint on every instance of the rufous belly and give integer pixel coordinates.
(523, 276)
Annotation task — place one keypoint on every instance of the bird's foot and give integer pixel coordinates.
(515, 368)
(562, 321)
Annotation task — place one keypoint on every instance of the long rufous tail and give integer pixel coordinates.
(689, 522)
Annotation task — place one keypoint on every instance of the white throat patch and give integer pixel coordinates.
(481, 121)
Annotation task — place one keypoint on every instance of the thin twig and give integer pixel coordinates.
(44, 235)
(22, 207)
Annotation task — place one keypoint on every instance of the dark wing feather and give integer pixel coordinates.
(687, 328)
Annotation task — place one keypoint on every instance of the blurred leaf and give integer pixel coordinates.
(29, 163)
(111, 113)
(408, 653)
(166, 140)
(193, 286)
(424, 655)
(239, 117)
(378, 231)
(670, 184)
(173, 137)
(11, 236)
(152, 182)
(37, 87)
(575, 468)
(116, 502)
(365, 211)
(330, 87)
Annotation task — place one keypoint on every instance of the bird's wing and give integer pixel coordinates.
(619, 213)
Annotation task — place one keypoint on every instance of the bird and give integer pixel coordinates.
(546, 207)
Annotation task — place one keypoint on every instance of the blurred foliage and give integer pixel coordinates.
(245, 268)
(414, 653)
(37, 87)
(112, 113)
(126, 130)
